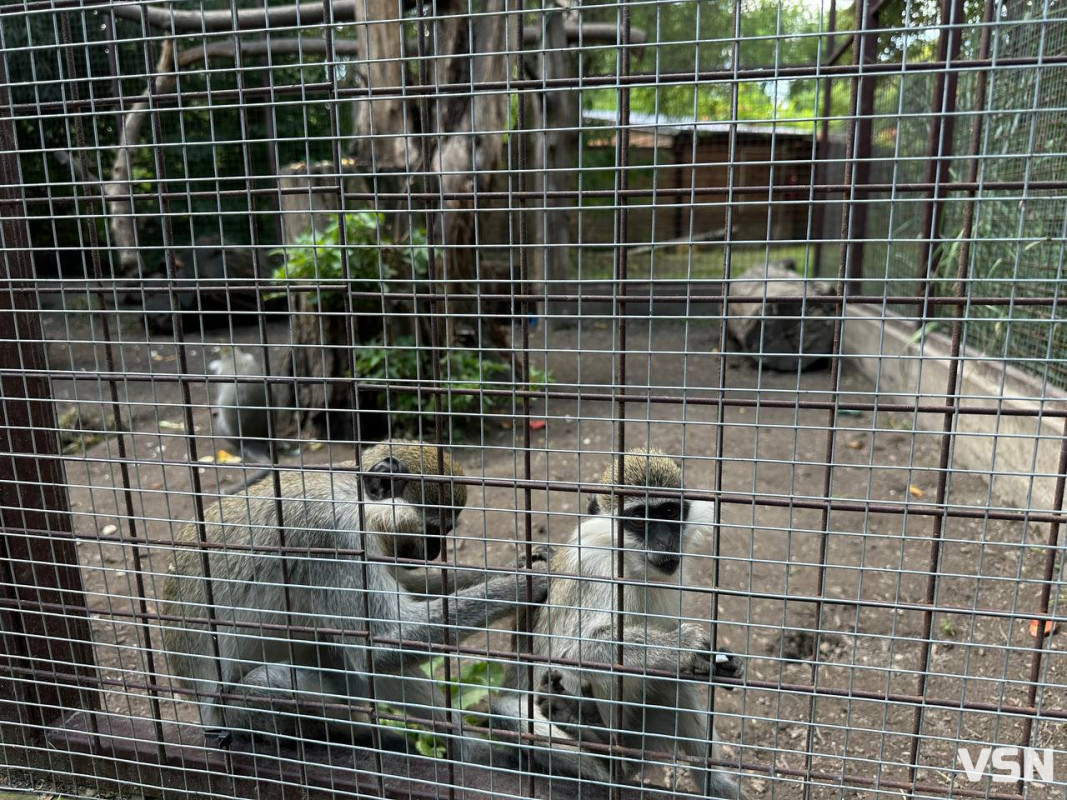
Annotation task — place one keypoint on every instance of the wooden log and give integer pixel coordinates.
(780, 334)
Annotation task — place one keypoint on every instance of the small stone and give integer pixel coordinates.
(109, 530)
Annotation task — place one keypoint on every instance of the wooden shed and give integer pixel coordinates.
(681, 154)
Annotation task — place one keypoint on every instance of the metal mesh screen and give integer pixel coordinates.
(732, 328)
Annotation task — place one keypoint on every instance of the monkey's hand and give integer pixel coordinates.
(539, 587)
(700, 659)
(540, 557)
(728, 665)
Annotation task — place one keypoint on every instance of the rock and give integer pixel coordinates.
(771, 332)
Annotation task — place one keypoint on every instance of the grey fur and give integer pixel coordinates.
(264, 672)
(241, 411)
(578, 624)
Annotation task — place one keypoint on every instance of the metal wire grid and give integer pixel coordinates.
(881, 543)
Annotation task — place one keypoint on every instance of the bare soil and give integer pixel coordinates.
(790, 577)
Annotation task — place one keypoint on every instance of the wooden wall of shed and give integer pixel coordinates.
(679, 216)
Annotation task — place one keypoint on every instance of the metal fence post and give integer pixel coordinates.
(44, 622)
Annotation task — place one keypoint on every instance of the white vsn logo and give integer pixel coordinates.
(1006, 763)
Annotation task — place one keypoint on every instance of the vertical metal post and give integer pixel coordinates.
(680, 205)
(866, 48)
(619, 310)
(939, 147)
(44, 621)
(823, 149)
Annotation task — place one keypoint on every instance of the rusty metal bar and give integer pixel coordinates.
(939, 146)
(47, 608)
(666, 192)
(618, 310)
(222, 96)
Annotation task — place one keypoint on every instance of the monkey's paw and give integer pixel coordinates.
(727, 665)
(540, 557)
(539, 589)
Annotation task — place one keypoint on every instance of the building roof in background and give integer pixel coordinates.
(663, 125)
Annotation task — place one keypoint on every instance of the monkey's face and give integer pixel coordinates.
(389, 482)
(656, 528)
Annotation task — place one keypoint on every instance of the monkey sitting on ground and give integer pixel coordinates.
(578, 624)
(241, 411)
(261, 649)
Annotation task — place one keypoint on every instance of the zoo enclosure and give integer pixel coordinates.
(932, 193)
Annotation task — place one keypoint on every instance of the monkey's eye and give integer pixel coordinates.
(671, 512)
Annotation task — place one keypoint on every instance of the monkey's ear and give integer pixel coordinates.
(384, 480)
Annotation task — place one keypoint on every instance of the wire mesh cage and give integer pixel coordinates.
(731, 328)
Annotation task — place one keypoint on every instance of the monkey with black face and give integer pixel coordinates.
(578, 625)
(267, 605)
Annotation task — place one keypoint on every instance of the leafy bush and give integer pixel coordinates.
(463, 370)
(378, 265)
(374, 259)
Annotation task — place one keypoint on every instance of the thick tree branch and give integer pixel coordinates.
(314, 14)
(118, 190)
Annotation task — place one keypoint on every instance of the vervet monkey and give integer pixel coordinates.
(265, 670)
(578, 624)
(240, 410)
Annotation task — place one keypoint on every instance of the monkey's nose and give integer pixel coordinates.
(666, 563)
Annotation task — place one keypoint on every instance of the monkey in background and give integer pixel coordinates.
(578, 624)
(241, 412)
(264, 666)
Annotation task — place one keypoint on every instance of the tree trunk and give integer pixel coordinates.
(320, 339)
(469, 139)
(382, 143)
(556, 153)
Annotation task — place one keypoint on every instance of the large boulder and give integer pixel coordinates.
(780, 334)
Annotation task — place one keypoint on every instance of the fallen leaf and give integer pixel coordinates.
(537, 424)
(915, 491)
(1050, 627)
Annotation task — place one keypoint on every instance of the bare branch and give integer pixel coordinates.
(247, 18)
(276, 47)
(118, 190)
(314, 14)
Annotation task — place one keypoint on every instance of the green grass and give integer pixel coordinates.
(697, 261)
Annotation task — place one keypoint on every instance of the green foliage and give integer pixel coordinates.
(401, 361)
(374, 259)
(684, 35)
(470, 687)
(203, 145)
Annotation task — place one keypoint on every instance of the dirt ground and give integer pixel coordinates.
(770, 557)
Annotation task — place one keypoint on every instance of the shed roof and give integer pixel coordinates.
(663, 125)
